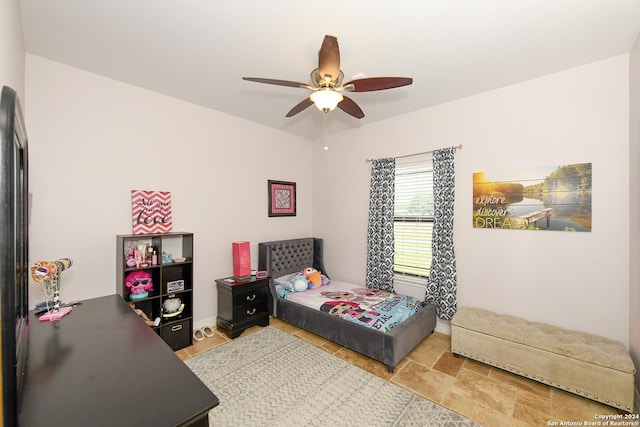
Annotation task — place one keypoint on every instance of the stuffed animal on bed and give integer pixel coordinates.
(325, 280)
(300, 283)
(295, 283)
(315, 278)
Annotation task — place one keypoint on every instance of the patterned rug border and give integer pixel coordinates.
(271, 378)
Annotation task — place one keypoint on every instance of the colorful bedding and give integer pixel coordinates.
(370, 308)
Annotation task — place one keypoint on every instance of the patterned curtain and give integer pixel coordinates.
(380, 234)
(441, 286)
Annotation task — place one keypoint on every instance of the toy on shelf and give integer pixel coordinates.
(142, 314)
(167, 258)
(48, 272)
(139, 284)
(172, 307)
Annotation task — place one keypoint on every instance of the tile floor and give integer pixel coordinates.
(487, 395)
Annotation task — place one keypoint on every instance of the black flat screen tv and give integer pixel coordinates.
(14, 256)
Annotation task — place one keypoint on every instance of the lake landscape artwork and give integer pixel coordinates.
(555, 198)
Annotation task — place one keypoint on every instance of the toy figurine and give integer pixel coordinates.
(172, 307)
(139, 283)
(142, 314)
(48, 272)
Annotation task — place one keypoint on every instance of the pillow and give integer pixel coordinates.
(280, 280)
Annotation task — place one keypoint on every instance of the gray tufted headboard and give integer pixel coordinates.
(282, 257)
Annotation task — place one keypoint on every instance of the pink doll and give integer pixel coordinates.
(139, 284)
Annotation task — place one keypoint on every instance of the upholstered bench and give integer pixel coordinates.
(585, 364)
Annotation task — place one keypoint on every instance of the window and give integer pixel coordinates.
(413, 219)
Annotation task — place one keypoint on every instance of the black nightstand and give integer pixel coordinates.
(242, 304)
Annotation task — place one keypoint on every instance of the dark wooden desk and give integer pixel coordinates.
(101, 365)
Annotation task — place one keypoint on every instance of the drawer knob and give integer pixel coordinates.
(176, 328)
(251, 298)
(251, 312)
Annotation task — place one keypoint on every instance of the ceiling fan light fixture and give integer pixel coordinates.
(327, 87)
(326, 99)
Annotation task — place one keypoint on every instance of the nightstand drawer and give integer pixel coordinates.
(249, 310)
(251, 296)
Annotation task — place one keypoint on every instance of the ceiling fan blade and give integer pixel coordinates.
(277, 82)
(377, 83)
(349, 106)
(302, 105)
(329, 58)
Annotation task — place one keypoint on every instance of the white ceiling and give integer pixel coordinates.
(198, 50)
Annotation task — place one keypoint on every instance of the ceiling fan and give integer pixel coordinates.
(327, 86)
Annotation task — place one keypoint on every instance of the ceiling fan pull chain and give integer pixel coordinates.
(324, 130)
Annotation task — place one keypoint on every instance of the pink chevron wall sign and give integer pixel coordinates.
(151, 211)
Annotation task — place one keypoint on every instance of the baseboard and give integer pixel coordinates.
(210, 321)
(443, 326)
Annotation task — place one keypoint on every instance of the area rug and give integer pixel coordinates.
(271, 378)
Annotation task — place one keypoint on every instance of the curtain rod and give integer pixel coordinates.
(456, 147)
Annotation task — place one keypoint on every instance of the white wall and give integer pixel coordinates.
(93, 140)
(634, 200)
(575, 280)
(11, 47)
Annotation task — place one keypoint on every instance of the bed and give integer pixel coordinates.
(285, 257)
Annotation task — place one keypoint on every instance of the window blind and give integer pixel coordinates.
(413, 218)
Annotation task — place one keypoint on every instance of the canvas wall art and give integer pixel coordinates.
(556, 198)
